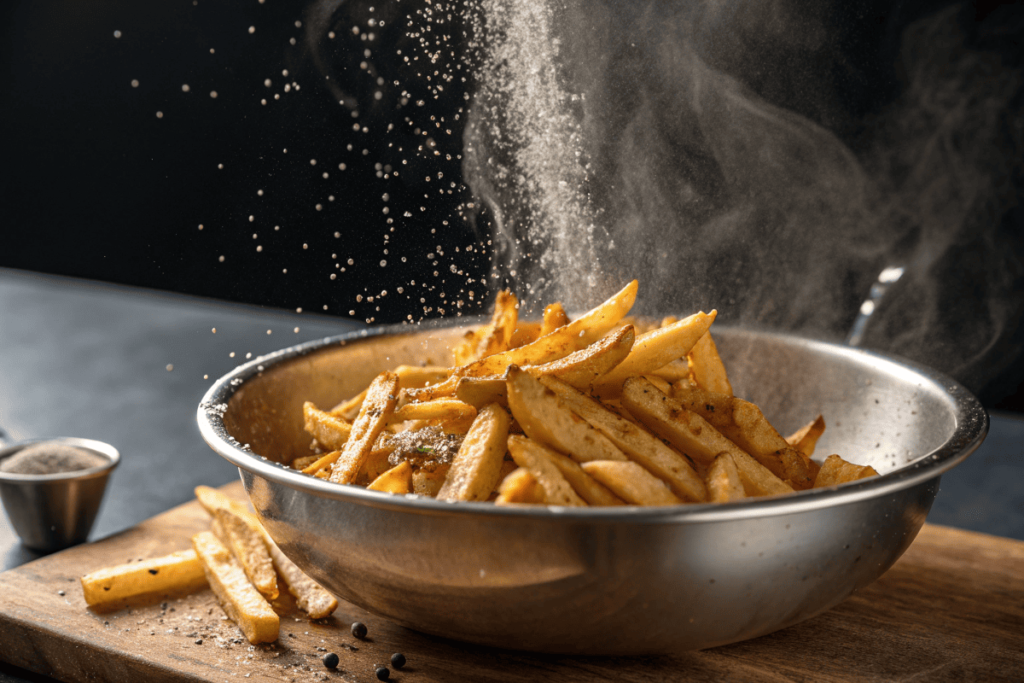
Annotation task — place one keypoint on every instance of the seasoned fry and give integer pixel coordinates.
(706, 366)
(554, 317)
(690, 433)
(479, 391)
(723, 480)
(631, 482)
(745, 425)
(531, 455)
(438, 409)
(583, 367)
(373, 417)
(322, 463)
(376, 462)
(835, 471)
(428, 483)
(544, 418)
(304, 462)
(672, 371)
(398, 479)
(497, 336)
(572, 337)
(212, 500)
(806, 438)
(331, 432)
(474, 471)
(519, 486)
(526, 333)
(637, 444)
(654, 349)
(310, 596)
(240, 600)
(589, 488)
(248, 548)
(178, 572)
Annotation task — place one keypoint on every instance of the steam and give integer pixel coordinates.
(616, 140)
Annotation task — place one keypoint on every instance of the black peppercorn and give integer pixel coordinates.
(398, 660)
(383, 673)
(331, 660)
(359, 630)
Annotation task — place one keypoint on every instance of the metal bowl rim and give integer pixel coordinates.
(972, 423)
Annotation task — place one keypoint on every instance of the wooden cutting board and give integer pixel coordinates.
(952, 609)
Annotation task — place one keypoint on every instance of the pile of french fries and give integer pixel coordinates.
(594, 411)
(236, 558)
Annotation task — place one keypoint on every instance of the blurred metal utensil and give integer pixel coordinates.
(54, 511)
(886, 279)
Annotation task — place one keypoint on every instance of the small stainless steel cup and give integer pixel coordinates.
(53, 511)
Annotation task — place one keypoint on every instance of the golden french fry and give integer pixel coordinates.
(631, 482)
(479, 391)
(438, 409)
(581, 368)
(745, 425)
(408, 375)
(304, 462)
(668, 418)
(178, 572)
(519, 486)
(349, 410)
(310, 596)
(376, 462)
(240, 600)
(706, 366)
(530, 454)
(806, 438)
(526, 332)
(465, 352)
(637, 444)
(572, 337)
(668, 320)
(585, 485)
(429, 482)
(497, 336)
(248, 548)
(373, 417)
(554, 317)
(672, 371)
(321, 463)
(545, 419)
(723, 480)
(835, 471)
(654, 349)
(474, 471)
(662, 384)
(331, 432)
(398, 479)
(212, 500)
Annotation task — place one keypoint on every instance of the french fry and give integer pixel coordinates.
(585, 485)
(497, 336)
(806, 438)
(690, 433)
(322, 463)
(745, 425)
(438, 409)
(376, 462)
(304, 462)
(240, 600)
(526, 333)
(835, 471)
(519, 486)
(672, 371)
(178, 572)
(398, 479)
(530, 454)
(349, 410)
(409, 376)
(706, 366)
(554, 317)
(637, 444)
(581, 368)
(310, 596)
(373, 417)
(654, 349)
(572, 337)
(212, 500)
(429, 482)
(479, 391)
(631, 482)
(331, 432)
(544, 418)
(474, 471)
(248, 548)
(723, 480)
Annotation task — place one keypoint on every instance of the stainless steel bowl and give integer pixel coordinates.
(604, 581)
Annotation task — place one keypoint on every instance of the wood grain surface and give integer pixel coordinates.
(952, 609)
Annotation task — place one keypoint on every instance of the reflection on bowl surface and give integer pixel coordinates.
(567, 580)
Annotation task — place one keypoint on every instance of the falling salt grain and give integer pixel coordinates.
(185, 88)
(213, 94)
(159, 114)
(117, 34)
(170, 367)
(135, 83)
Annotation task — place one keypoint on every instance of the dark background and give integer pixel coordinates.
(95, 185)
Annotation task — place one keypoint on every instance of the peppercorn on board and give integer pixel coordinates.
(943, 608)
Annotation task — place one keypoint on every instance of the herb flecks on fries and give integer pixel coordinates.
(596, 411)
